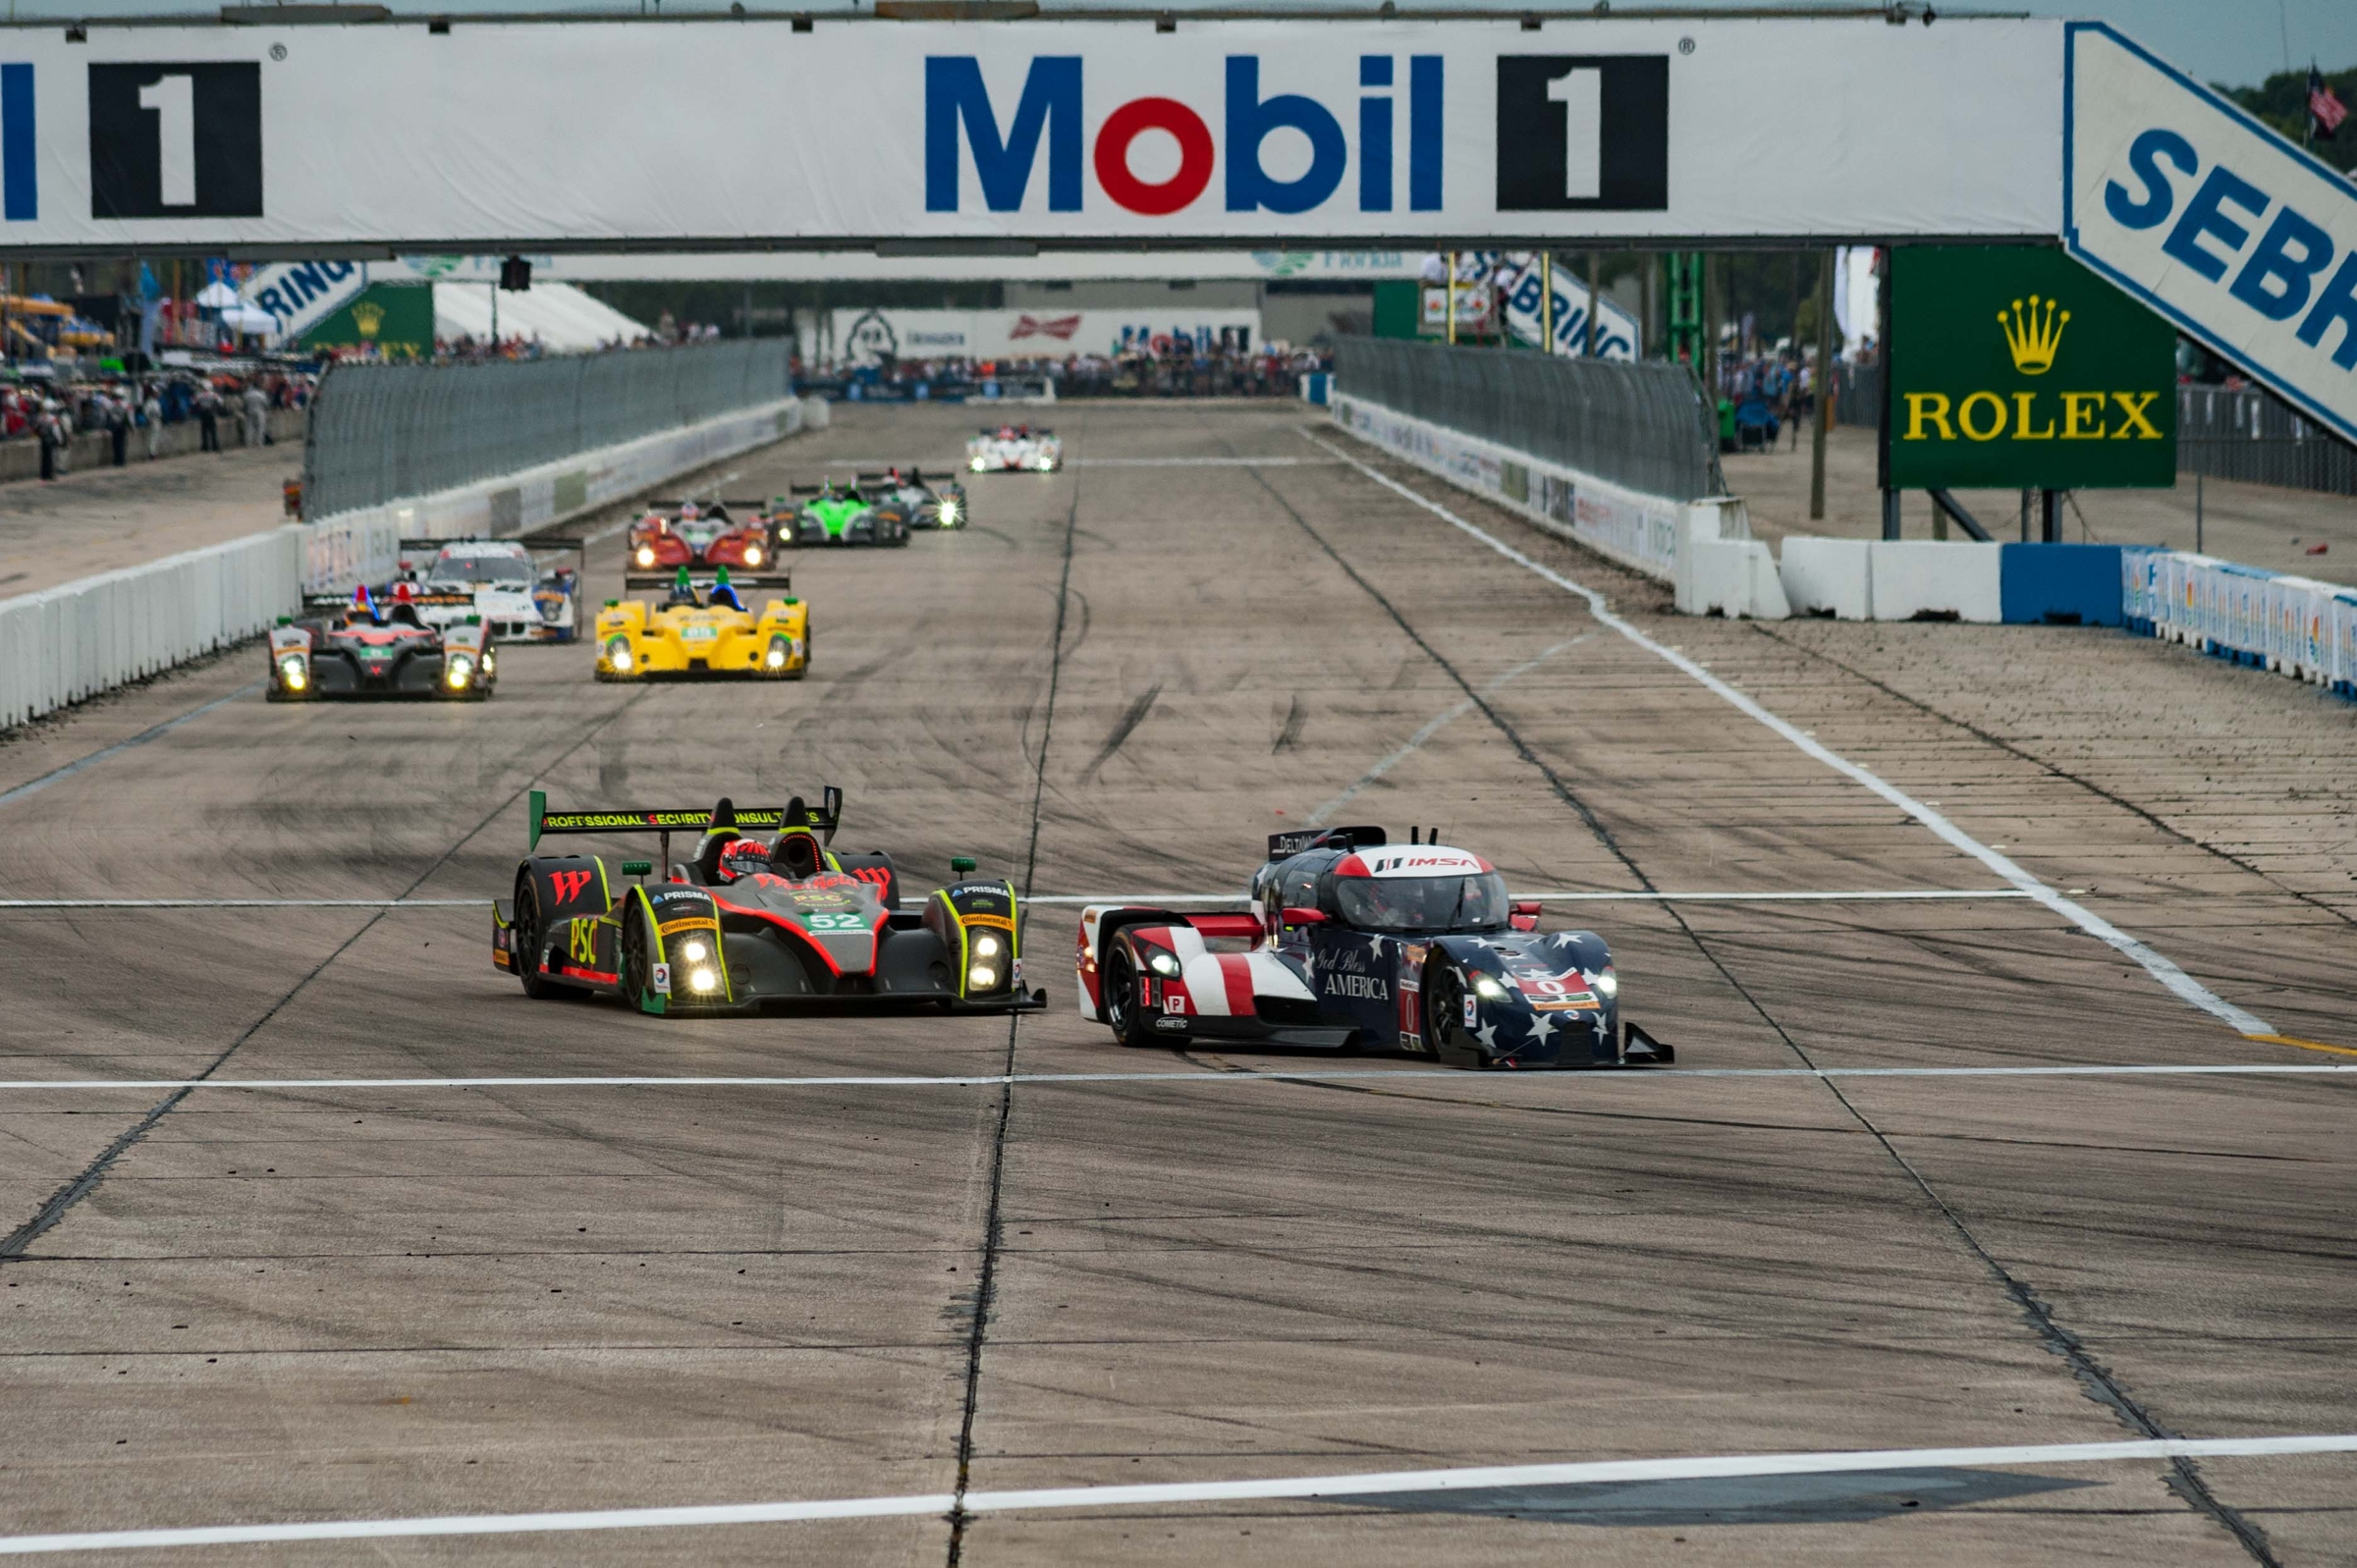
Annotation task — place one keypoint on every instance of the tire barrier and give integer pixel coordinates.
(2292, 626)
(66, 645)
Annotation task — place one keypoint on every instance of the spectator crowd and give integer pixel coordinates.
(135, 412)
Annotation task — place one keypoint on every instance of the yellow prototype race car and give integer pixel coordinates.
(704, 628)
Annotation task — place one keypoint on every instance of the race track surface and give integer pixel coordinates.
(236, 1305)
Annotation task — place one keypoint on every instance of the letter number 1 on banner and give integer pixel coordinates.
(173, 100)
(1581, 93)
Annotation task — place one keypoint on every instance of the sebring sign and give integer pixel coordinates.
(1481, 134)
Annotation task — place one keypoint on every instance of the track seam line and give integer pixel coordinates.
(986, 1287)
(2097, 1381)
(154, 731)
(83, 1185)
(2058, 772)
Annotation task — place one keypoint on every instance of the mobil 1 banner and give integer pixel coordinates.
(580, 135)
(2213, 219)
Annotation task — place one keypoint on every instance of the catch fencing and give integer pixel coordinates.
(64, 644)
(1858, 395)
(1640, 426)
(382, 433)
(2255, 436)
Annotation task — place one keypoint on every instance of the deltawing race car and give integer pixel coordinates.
(1015, 448)
(924, 504)
(701, 534)
(518, 595)
(1353, 941)
(841, 514)
(368, 648)
(764, 912)
(704, 628)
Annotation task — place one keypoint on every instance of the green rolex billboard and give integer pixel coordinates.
(2014, 367)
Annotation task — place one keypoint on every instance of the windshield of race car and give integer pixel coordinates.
(477, 571)
(1428, 904)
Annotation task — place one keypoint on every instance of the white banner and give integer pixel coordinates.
(865, 266)
(868, 337)
(2213, 219)
(716, 134)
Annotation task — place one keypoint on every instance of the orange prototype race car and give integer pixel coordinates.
(702, 535)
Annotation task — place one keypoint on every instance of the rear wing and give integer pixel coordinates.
(753, 502)
(821, 818)
(705, 579)
(1284, 845)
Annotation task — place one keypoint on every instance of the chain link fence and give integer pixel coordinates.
(382, 433)
(1638, 425)
(1858, 395)
(2254, 436)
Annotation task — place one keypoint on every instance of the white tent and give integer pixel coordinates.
(564, 318)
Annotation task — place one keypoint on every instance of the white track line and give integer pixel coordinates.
(1293, 1075)
(1433, 727)
(1862, 896)
(2177, 981)
(1377, 1483)
(34, 786)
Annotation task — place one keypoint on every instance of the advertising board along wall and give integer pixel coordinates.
(1084, 134)
(870, 337)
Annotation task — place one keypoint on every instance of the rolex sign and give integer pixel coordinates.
(2017, 368)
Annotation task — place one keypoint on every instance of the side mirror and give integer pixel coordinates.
(1302, 917)
(1523, 917)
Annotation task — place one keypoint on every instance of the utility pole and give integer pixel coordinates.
(1595, 297)
(495, 319)
(1824, 385)
(1547, 300)
(1453, 296)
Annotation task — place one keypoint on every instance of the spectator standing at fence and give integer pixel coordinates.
(151, 419)
(208, 418)
(257, 414)
(118, 429)
(52, 428)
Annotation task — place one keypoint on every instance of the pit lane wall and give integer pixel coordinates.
(64, 644)
(362, 546)
(1703, 548)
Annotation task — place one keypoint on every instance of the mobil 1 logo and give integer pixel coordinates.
(1583, 131)
(176, 139)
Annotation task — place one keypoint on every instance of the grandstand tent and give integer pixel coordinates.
(564, 318)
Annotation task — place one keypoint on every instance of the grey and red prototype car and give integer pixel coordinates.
(1353, 941)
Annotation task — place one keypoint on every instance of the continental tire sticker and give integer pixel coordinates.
(670, 926)
(1001, 922)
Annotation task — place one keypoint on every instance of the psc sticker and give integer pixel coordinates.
(662, 979)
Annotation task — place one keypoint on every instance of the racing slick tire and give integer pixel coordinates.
(1119, 988)
(637, 960)
(528, 936)
(1444, 1015)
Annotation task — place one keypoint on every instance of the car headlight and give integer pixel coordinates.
(694, 952)
(949, 511)
(647, 555)
(752, 555)
(703, 981)
(981, 977)
(293, 672)
(617, 653)
(975, 465)
(986, 946)
(1488, 989)
(1162, 963)
(1606, 984)
(461, 671)
(777, 653)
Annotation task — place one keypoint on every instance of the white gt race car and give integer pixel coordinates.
(1015, 448)
(518, 597)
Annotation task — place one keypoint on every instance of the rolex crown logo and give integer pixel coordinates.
(368, 316)
(2034, 335)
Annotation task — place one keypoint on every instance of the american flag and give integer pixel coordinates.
(2326, 111)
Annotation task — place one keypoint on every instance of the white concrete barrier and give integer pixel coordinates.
(1733, 577)
(817, 414)
(64, 644)
(1923, 579)
(356, 547)
(1829, 577)
(1640, 531)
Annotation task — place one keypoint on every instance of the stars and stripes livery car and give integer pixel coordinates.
(378, 647)
(1353, 941)
(763, 912)
(1015, 448)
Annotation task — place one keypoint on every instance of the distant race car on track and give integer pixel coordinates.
(1015, 448)
(372, 647)
(838, 514)
(763, 912)
(701, 534)
(925, 504)
(1353, 941)
(519, 596)
(703, 626)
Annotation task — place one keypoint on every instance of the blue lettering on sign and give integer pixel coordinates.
(305, 284)
(20, 188)
(958, 111)
(2278, 279)
(269, 300)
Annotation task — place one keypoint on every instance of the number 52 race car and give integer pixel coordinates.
(764, 912)
(1351, 939)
